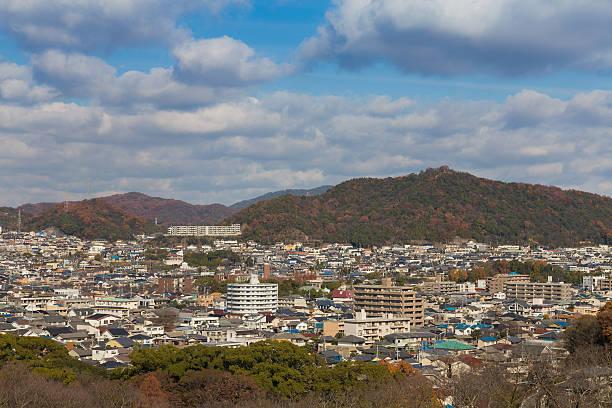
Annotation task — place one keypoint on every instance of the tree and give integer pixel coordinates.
(489, 388)
(209, 387)
(585, 331)
(604, 317)
(151, 393)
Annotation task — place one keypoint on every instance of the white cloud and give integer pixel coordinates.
(87, 25)
(17, 85)
(228, 150)
(91, 78)
(205, 71)
(222, 61)
(506, 37)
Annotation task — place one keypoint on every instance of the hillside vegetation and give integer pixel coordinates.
(90, 219)
(294, 192)
(434, 205)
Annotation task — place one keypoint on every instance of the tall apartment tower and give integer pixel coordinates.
(385, 299)
(252, 298)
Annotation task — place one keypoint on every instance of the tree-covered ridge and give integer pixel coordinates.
(90, 219)
(39, 372)
(168, 211)
(279, 368)
(435, 205)
(8, 218)
(45, 357)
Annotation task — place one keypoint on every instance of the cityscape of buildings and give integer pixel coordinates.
(102, 299)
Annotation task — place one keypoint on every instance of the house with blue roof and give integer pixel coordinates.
(453, 346)
(486, 341)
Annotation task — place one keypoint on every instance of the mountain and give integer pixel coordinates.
(168, 211)
(90, 219)
(294, 192)
(8, 218)
(36, 209)
(435, 205)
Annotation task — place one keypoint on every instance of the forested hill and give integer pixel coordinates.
(8, 218)
(90, 219)
(295, 192)
(435, 205)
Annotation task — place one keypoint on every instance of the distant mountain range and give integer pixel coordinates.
(167, 211)
(435, 205)
(139, 209)
(292, 192)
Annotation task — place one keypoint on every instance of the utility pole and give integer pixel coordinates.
(19, 221)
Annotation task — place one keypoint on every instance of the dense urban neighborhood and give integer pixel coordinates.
(439, 311)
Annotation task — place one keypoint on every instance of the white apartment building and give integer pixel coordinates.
(373, 329)
(130, 304)
(591, 282)
(252, 298)
(205, 230)
(34, 302)
(116, 306)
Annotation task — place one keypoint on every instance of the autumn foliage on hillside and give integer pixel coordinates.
(435, 205)
(168, 211)
(90, 219)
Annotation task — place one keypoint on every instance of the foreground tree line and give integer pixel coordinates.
(39, 372)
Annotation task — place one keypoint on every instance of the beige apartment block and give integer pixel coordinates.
(548, 291)
(385, 299)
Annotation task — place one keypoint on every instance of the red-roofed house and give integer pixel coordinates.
(339, 295)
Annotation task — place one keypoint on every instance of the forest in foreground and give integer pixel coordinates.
(37, 372)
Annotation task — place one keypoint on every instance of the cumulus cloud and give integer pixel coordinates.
(86, 25)
(507, 37)
(232, 150)
(204, 71)
(88, 77)
(17, 85)
(222, 61)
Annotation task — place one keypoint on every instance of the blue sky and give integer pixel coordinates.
(221, 100)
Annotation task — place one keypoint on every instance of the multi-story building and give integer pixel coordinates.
(251, 298)
(496, 283)
(549, 291)
(205, 230)
(179, 284)
(604, 285)
(176, 284)
(441, 287)
(34, 301)
(375, 328)
(385, 299)
(117, 303)
(592, 283)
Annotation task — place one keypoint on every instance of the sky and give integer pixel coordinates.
(223, 100)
